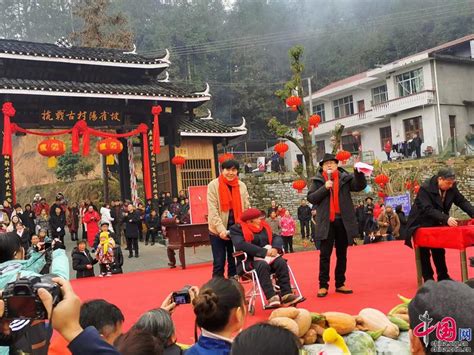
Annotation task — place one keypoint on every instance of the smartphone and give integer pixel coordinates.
(181, 297)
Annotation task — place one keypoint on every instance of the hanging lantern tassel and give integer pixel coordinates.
(109, 159)
(52, 162)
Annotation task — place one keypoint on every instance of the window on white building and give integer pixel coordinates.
(350, 144)
(413, 126)
(343, 107)
(410, 82)
(320, 150)
(385, 135)
(379, 94)
(319, 110)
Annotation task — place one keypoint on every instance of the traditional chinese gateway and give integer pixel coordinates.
(54, 86)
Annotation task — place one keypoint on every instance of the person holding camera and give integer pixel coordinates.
(13, 266)
(220, 312)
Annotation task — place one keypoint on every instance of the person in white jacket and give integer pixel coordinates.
(106, 217)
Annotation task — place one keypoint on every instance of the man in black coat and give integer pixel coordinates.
(132, 224)
(336, 223)
(431, 209)
(82, 261)
(304, 216)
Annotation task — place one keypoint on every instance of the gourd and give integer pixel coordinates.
(303, 319)
(373, 319)
(287, 323)
(290, 312)
(343, 323)
(310, 337)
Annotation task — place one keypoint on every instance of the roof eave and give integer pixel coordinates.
(213, 134)
(104, 96)
(63, 59)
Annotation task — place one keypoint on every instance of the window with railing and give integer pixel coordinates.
(350, 144)
(319, 110)
(379, 94)
(196, 172)
(410, 82)
(163, 176)
(343, 107)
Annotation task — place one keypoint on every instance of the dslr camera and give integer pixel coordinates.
(21, 297)
(182, 296)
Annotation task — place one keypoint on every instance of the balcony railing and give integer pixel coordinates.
(404, 103)
(380, 111)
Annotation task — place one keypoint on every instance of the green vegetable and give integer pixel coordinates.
(404, 299)
(375, 334)
(400, 323)
(388, 346)
(397, 307)
(316, 317)
(360, 343)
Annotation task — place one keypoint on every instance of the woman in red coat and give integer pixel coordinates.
(91, 219)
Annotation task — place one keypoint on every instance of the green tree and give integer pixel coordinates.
(68, 167)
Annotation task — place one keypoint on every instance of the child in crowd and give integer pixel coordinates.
(105, 254)
(288, 226)
(34, 245)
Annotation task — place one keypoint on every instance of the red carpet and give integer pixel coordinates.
(376, 272)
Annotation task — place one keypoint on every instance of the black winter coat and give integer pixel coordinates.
(132, 224)
(153, 223)
(304, 213)
(116, 266)
(80, 261)
(256, 248)
(56, 222)
(428, 210)
(318, 195)
(28, 219)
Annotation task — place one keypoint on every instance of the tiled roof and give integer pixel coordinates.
(341, 82)
(152, 90)
(208, 128)
(97, 56)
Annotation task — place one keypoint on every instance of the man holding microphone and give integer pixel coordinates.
(336, 222)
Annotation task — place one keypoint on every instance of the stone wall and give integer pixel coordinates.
(278, 186)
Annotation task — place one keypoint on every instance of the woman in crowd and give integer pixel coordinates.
(72, 220)
(13, 222)
(4, 217)
(24, 234)
(274, 222)
(82, 261)
(42, 222)
(28, 218)
(105, 216)
(7, 208)
(57, 222)
(220, 312)
(91, 219)
(403, 221)
(82, 212)
(254, 237)
(184, 216)
(138, 342)
(288, 227)
(280, 211)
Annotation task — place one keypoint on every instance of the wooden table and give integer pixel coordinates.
(459, 238)
(186, 235)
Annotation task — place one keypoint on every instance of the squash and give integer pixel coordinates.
(289, 312)
(343, 323)
(286, 323)
(310, 337)
(386, 345)
(400, 323)
(319, 330)
(405, 317)
(304, 321)
(373, 319)
(360, 343)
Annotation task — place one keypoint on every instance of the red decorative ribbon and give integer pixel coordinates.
(156, 110)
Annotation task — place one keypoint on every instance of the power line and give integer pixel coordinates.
(399, 18)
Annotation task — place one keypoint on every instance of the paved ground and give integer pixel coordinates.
(154, 257)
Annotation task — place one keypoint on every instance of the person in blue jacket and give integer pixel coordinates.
(220, 312)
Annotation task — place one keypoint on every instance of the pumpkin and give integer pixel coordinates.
(310, 337)
(373, 319)
(289, 312)
(343, 323)
(286, 323)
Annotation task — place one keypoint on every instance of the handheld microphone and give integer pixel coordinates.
(329, 172)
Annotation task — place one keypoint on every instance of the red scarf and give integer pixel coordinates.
(249, 230)
(230, 201)
(334, 198)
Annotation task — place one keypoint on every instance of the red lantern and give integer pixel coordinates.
(281, 148)
(226, 156)
(416, 188)
(314, 121)
(51, 148)
(343, 156)
(300, 129)
(299, 185)
(178, 160)
(109, 147)
(294, 101)
(381, 194)
(382, 179)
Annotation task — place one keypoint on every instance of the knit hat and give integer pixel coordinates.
(438, 300)
(249, 214)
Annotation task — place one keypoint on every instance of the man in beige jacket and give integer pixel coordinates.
(227, 197)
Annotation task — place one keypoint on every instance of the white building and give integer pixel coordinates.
(430, 93)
